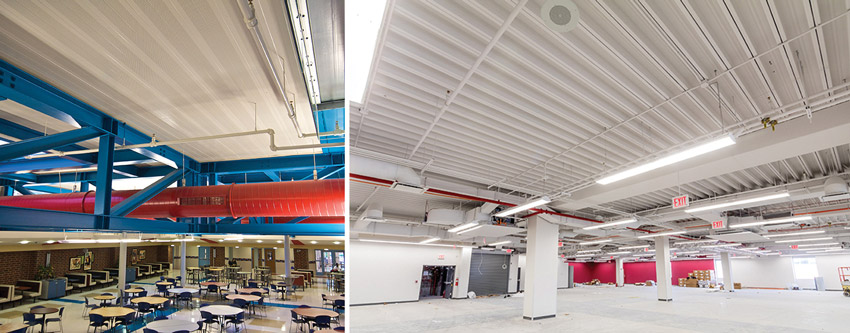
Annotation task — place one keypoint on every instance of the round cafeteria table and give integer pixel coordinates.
(172, 325)
(182, 290)
(112, 312)
(164, 283)
(335, 298)
(222, 311)
(104, 298)
(311, 313)
(152, 300)
(11, 327)
(246, 298)
(249, 290)
(133, 290)
(43, 312)
(212, 283)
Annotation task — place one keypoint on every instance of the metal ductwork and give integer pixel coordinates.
(297, 198)
(835, 188)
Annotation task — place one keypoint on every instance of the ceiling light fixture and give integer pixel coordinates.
(404, 243)
(795, 234)
(819, 244)
(726, 140)
(773, 221)
(596, 242)
(500, 243)
(24, 242)
(619, 252)
(336, 242)
(280, 241)
(687, 252)
(587, 251)
(463, 227)
(470, 229)
(633, 247)
(720, 245)
(739, 202)
(804, 240)
(697, 242)
(603, 225)
(526, 206)
(430, 240)
(663, 234)
(313, 242)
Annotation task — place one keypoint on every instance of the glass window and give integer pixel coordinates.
(340, 259)
(328, 261)
(318, 261)
(805, 268)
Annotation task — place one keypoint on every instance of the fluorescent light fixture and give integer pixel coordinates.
(463, 227)
(795, 234)
(470, 229)
(773, 221)
(726, 140)
(363, 24)
(603, 225)
(819, 248)
(739, 202)
(804, 240)
(24, 242)
(430, 240)
(584, 255)
(500, 243)
(280, 241)
(404, 243)
(687, 252)
(336, 242)
(586, 251)
(697, 242)
(259, 241)
(749, 248)
(239, 240)
(526, 206)
(325, 249)
(596, 242)
(313, 242)
(720, 245)
(819, 244)
(618, 252)
(633, 247)
(663, 234)
(304, 42)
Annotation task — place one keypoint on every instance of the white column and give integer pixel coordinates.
(462, 273)
(663, 271)
(726, 263)
(183, 262)
(286, 255)
(620, 273)
(541, 288)
(122, 268)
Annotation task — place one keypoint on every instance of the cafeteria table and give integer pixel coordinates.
(172, 325)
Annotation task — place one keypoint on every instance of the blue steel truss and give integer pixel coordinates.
(16, 171)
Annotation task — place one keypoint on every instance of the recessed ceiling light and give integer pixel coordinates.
(280, 241)
(596, 242)
(336, 242)
(236, 247)
(326, 249)
(24, 242)
(275, 247)
(239, 240)
(259, 241)
(313, 242)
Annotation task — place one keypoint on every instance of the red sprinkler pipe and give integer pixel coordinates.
(296, 198)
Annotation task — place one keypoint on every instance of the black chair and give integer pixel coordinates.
(339, 329)
(145, 308)
(57, 319)
(89, 307)
(238, 319)
(96, 321)
(162, 290)
(212, 289)
(240, 303)
(185, 297)
(160, 318)
(296, 319)
(148, 330)
(127, 320)
(339, 305)
(105, 302)
(322, 322)
(208, 319)
(30, 320)
(252, 285)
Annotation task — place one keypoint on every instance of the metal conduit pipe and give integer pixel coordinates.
(155, 143)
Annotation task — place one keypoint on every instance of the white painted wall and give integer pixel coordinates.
(522, 272)
(464, 266)
(778, 272)
(563, 274)
(384, 273)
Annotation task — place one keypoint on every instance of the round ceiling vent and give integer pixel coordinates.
(560, 15)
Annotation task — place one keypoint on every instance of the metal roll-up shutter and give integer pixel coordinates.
(488, 273)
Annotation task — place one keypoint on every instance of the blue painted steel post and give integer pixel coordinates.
(137, 199)
(103, 195)
(84, 186)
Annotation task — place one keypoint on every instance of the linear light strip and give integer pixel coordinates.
(804, 240)
(725, 141)
(526, 206)
(470, 229)
(739, 202)
(795, 234)
(773, 221)
(609, 224)
(596, 242)
(463, 226)
(663, 234)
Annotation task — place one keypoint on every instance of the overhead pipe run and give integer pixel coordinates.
(155, 143)
(324, 198)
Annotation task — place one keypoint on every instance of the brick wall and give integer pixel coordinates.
(301, 260)
(220, 256)
(22, 265)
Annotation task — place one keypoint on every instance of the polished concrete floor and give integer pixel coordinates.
(626, 309)
(275, 319)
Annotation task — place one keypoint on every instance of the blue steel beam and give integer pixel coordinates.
(22, 133)
(300, 229)
(39, 144)
(103, 195)
(230, 220)
(26, 89)
(21, 189)
(291, 163)
(70, 161)
(137, 199)
(274, 176)
(297, 219)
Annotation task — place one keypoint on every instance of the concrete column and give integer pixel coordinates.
(541, 287)
(286, 261)
(663, 271)
(183, 262)
(726, 263)
(122, 269)
(462, 273)
(620, 273)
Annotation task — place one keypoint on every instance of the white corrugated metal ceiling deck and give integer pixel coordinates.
(177, 69)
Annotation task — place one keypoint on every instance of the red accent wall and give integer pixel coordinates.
(634, 272)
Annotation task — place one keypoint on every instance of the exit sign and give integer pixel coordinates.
(683, 201)
(718, 224)
(795, 247)
(441, 257)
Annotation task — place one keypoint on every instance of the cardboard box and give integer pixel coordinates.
(737, 285)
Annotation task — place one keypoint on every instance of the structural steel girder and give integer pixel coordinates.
(134, 201)
(35, 145)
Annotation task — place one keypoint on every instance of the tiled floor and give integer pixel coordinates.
(275, 319)
(627, 309)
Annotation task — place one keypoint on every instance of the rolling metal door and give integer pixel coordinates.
(488, 273)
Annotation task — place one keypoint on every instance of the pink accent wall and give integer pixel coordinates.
(634, 272)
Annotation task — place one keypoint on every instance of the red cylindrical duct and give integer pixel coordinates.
(297, 198)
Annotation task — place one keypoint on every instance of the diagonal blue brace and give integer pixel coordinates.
(297, 219)
(230, 220)
(134, 201)
(23, 190)
(35, 145)
(272, 175)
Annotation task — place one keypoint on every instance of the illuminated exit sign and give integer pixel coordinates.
(683, 201)
(719, 224)
(795, 247)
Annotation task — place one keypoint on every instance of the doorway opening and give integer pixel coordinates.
(437, 282)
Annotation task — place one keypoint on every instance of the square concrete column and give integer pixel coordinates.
(726, 263)
(462, 273)
(183, 261)
(286, 262)
(663, 271)
(122, 269)
(621, 277)
(541, 287)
